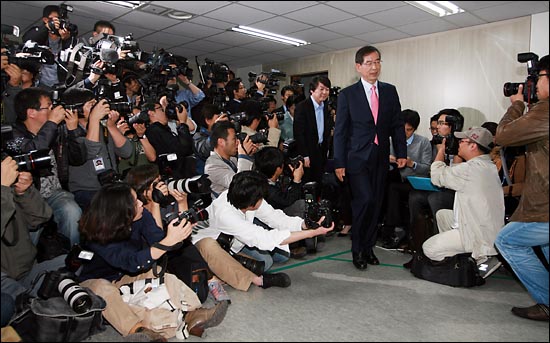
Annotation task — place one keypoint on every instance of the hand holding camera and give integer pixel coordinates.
(518, 96)
(178, 230)
(100, 110)
(9, 171)
(71, 119)
(57, 114)
(247, 147)
(14, 72)
(297, 170)
(24, 181)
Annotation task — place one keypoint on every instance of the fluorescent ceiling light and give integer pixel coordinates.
(268, 35)
(437, 8)
(125, 4)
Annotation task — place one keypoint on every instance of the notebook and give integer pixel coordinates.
(422, 183)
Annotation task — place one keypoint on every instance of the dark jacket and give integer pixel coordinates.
(64, 142)
(132, 257)
(165, 142)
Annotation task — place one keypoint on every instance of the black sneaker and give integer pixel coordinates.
(276, 280)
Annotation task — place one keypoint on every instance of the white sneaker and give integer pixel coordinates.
(489, 266)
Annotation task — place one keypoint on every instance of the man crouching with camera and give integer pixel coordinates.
(23, 209)
(231, 224)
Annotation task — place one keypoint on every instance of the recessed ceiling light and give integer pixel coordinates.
(179, 15)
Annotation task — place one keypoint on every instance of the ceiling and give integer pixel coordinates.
(327, 25)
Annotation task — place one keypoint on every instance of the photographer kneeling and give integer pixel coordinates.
(231, 221)
(126, 243)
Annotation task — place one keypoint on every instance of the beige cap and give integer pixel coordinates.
(480, 135)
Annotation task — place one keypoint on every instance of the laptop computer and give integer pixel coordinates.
(422, 183)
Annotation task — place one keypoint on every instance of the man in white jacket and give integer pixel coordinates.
(478, 213)
(233, 213)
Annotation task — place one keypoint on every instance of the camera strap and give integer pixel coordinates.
(167, 247)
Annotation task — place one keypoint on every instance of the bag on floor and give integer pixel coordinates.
(53, 320)
(457, 271)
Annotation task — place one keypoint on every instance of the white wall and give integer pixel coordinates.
(463, 69)
(539, 33)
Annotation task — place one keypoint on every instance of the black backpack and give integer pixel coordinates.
(458, 271)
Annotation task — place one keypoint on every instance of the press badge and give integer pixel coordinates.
(98, 164)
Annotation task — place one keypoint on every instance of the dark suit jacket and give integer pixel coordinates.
(306, 136)
(355, 129)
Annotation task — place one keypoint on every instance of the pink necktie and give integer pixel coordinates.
(374, 108)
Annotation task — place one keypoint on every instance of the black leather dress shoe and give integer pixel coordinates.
(371, 258)
(359, 260)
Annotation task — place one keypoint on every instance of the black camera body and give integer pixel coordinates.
(451, 143)
(104, 90)
(260, 136)
(196, 213)
(64, 23)
(333, 97)
(29, 52)
(61, 283)
(530, 84)
(226, 241)
(280, 115)
(35, 160)
(314, 209)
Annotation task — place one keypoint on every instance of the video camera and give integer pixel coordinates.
(530, 84)
(35, 160)
(269, 79)
(104, 90)
(217, 72)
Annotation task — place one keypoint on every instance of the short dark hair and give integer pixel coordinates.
(109, 216)
(287, 88)
(209, 110)
(543, 64)
(141, 177)
(317, 80)
(246, 189)
(49, 10)
(232, 86)
(77, 96)
(28, 98)
(103, 23)
(411, 117)
(366, 50)
(253, 110)
(267, 160)
(491, 126)
(220, 130)
(459, 118)
(292, 100)
(435, 117)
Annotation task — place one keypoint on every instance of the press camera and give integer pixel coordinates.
(530, 84)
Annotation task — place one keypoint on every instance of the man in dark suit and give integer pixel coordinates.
(368, 114)
(312, 126)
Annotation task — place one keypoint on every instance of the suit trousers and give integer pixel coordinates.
(367, 195)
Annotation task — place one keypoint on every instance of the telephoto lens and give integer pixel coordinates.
(79, 300)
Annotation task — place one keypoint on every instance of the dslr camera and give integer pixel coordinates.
(64, 23)
(316, 209)
(451, 143)
(35, 160)
(199, 184)
(226, 242)
(259, 137)
(530, 84)
(61, 283)
(290, 156)
(196, 213)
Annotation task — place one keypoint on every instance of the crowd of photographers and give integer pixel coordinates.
(214, 165)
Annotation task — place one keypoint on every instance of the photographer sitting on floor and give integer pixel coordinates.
(231, 219)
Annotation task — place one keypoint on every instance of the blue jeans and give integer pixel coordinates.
(15, 287)
(515, 242)
(8, 308)
(66, 214)
(269, 257)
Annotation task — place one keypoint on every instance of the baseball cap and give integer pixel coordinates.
(480, 135)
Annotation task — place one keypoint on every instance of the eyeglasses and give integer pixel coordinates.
(369, 64)
(45, 108)
(442, 123)
(433, 128)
